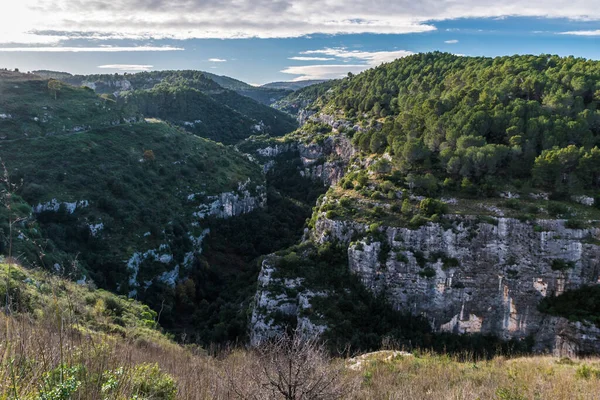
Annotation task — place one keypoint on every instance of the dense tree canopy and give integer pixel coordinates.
(478, 118)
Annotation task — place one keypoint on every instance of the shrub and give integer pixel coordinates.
(513, 204)
(581, 304)
(401, 257)
(149, 155)
(60, 383)
(429, 207)
(331, 214)
(575, 224)
(348, 185)
(406, 207)
(377, 211)
(532, 209)
(418, 221)
(557, 209)
(374, 228)
(450, 262)
(345, 202)
(148, 381)
(427, 273)
(562, 265)
(586, 372)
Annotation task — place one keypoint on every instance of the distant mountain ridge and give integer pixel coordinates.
(264, 95)
(194, 100)
(294, 85)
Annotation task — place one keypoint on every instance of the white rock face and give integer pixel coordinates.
(224, 205)
(230, 204)
(54, 205)
(273, 299)
(118, 85)
(585, 200)
(95, 229)
(326, 162)
(460, 297)
(260, 127)
(134, 262)
(472, 276)
(274, 151)
(171, 277)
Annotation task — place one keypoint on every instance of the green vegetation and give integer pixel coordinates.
(31, 107)
(485, 122)
(135, 201)
(215, 300)
(562, 265)
(220, 115)
(39, 294)
(297, 101)
(581, 304)
(194, 100)
(192, 109)
(274, 123)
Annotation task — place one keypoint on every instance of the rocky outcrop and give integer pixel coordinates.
(471, 275)
(54, 205)
(224, 205)
(325, 161)
(114, 86)
(234, 203)
(277, 302)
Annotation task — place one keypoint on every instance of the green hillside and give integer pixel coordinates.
(194, 100)
(439, 137)
(31, 107)
(304, 97)
(480, 123)
(293, 85)
(100, 197)
(192, 109)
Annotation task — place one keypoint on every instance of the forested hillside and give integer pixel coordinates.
(32, 107)
(429, 164)
(303, 98)
(142, 207)
(194, 100)
(480, 121)
(447, 173)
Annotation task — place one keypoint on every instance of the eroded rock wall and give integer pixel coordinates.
(471, 275)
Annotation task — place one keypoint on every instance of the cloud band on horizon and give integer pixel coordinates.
(28, 22)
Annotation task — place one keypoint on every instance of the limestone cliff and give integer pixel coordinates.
(325, 161)
(467, 275)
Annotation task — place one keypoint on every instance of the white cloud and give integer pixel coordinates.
(582, 33)
(370, 58)
(361, 60)
(99, 49)
(217, 60)
(127, 67)
(52, 21)
(311, 58)
(453, 41)
(323, 71)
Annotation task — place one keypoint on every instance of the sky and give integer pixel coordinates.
(260, 41)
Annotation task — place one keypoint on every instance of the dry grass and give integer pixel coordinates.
(67, 337)
(32, 348)
(432, 376)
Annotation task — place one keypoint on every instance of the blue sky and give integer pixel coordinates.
(232, 38)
